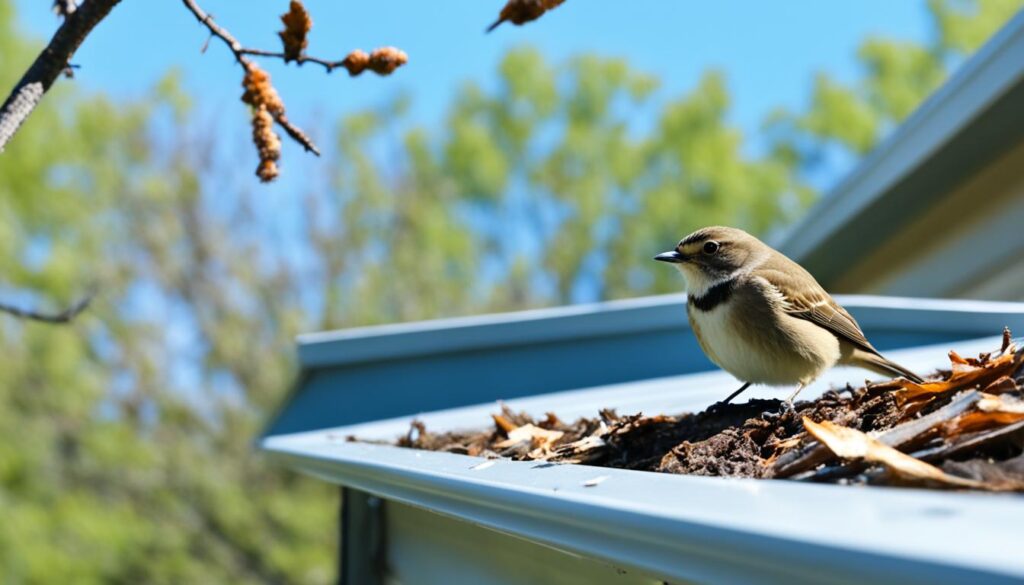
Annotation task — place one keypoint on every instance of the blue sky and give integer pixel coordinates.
(769, 50)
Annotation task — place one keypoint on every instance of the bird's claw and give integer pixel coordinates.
(786, 409)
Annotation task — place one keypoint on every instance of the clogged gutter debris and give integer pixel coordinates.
(962, 429)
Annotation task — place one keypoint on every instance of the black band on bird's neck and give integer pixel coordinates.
(714, 296)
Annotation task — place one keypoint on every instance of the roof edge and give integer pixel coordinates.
(989, 74)
(379, 342)
(623, 317)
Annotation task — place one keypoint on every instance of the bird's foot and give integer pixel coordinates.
(785, 410)
(717, 407)
(787, 407)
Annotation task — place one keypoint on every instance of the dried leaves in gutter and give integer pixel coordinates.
(963, 429)
(855, 445)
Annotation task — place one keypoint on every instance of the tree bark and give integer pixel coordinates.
(27, 94)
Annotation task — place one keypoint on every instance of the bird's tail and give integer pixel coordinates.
(878, 363)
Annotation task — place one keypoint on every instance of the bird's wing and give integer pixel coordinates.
(804, 298)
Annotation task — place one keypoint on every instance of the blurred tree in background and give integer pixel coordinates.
(125, 437)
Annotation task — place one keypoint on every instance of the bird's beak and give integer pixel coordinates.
(673, 257)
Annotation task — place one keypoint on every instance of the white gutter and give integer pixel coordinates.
(684, 527)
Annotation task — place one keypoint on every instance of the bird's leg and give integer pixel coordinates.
(789, 401)
(786, 408)
(721, 403)
(736, 393)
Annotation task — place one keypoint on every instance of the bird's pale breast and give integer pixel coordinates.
(752, 339)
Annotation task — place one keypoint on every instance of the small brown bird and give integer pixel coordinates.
(762, 317)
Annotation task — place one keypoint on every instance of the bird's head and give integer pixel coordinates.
(711, 255)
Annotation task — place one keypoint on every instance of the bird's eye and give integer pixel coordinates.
(710, 247)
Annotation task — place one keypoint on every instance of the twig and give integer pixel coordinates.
(206, 44)
(64, 316)
(328, 65)
(207, 20)
(50, 63)
(297, 134)
(240, 53)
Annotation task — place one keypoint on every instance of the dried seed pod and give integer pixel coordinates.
(267, 171)
(259, 91)
(296, 26)
(519, 12)
(382, 61)
(385, 60)
(356, 62)
(268, 143)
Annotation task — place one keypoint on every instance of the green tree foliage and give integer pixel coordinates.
(544, 189)
(125, 438)
(849, 119)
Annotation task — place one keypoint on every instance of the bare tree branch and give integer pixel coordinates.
(216, 30)
(79, 21)
(240, 53)
(53, 61)
(328, 65)
(64, 316)
(297, 134)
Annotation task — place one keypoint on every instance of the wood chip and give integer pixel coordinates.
(534, 436)
(853, 444)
